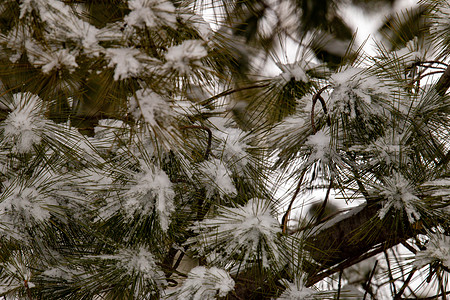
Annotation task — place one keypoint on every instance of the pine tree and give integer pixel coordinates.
(142, 148)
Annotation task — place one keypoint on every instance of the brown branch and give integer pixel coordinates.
(409, 247)
(319, 97)
(285, 218)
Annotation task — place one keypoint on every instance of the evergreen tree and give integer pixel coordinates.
(141, 149)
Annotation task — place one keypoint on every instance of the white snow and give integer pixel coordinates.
(320, 144)
(139, 262)
(50, 59)
(354, 90)
(297, 292)
(295, 71)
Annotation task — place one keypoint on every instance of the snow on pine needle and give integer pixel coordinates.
(139, 261)
(399, 193)
(150, 190)
(204, 283)
(23, 204)
(215, 177)
(152, 108)
(437, 249)
(247, 233)
(16, 276)
(125, 62)
(356, 92)
(233, 142)
(25, 125)
(50, 59)
(182, 58)
(137, 266)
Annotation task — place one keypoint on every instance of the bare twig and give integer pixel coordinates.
(321, 211)
(319, 97)
(347, 263)
(339, 286)
(285, 218)
(409, 247)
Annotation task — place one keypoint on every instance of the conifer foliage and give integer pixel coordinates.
(141, 147)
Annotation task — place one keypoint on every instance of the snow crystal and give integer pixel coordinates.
(150, 106)
(437, 249)
(125, 62)
(152, 189)
(250, 230)
(399, 193)
(205, 283)
(25, 123)
(320, 144)
(150, 13)
(181, 57)
(216, 176)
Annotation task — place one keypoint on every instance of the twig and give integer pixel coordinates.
(232, 91)
(409, 247)
(405, 284)
(208, 148)
(441, 284)
(316, 97)
(285, 218)
(339, 286)
(370, 279)
(25, 283)
(324, 204)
